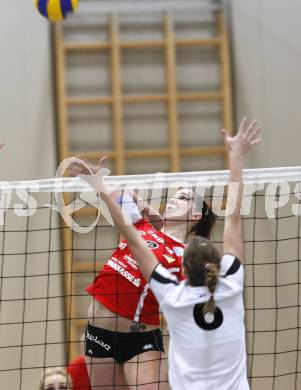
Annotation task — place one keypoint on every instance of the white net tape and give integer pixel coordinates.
(165, 180)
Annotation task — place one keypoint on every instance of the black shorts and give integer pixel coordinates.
(102, 343)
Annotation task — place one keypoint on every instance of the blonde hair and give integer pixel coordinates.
(54, 371)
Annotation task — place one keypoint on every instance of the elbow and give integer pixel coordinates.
(136, 243)
(235, 218)
(132, 242)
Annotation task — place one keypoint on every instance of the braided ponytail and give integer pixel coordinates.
(211, 279)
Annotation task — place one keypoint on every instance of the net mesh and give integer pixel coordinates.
(45, 267)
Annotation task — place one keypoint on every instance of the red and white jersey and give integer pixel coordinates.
(120, 285)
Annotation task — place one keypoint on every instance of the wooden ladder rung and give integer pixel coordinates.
(209, 151)
(140, 99)
(87, 46)
(145, 98)
(139, 44)
(155, 43)
(99, 100)
(200, 96)
(214, 41)
(89, 101)
(148, 153)
(139, 153)
(153, 153)
(93, 155)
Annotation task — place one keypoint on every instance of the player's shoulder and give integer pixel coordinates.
(143, 224)
(230, 265)
(176, 245)
(171, 254)
(162, 275)
(232, 273)
(165, 285)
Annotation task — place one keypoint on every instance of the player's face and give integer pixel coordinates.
(56, 382)
(180, 206)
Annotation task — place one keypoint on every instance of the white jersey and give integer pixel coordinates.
(206, 353)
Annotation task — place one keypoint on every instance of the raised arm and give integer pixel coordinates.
(150, 213)
(143, 255)
(238, 146)
(141, 252)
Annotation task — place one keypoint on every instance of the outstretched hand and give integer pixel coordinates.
(76, 169)
(246, 137)
(94, 179)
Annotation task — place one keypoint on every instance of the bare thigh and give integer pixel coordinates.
(106, 374)
(147, 371)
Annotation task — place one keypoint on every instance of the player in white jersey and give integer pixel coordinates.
(205, 313)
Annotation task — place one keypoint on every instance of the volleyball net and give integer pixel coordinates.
(52, 246)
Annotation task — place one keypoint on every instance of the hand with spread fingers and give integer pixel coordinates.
(246, 137)
(76, 169)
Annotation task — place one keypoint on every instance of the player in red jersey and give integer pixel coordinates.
(121, 279)
(77, 369)
(124, 314)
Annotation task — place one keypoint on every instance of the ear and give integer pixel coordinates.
(196, 216)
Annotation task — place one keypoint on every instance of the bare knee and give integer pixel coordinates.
(106, 374)
(146, 372)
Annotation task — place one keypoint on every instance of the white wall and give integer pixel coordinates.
(27, 128)
(267, 62)
(26, 109)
